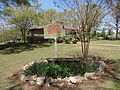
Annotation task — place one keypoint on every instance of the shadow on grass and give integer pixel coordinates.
(20, 47)
(113, 69)
(15, 87)
(114, 74)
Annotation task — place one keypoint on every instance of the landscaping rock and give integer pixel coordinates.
(22, 77)
(66, 79)
(89, 75)
(32, 82)
(80, 79)
(45, 61)
(31, 63)
(73, 80)
(58, 84)
(47, 84)
(26, 66)
(94, 78)
(102, 66)
(68, 84)
(27, 78)
(33, 78)
(49, 80)
(58, 80)
(40, 81)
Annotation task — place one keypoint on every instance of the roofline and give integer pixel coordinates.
(66, 27)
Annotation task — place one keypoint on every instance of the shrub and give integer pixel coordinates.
(80, 67)
(74, 67)
(99, 38)
(60, 40)
(56, 71)
(111, 38)
(35, 39)
(92, 66)
(37, 68)
(67, 40)
(50, 41)
(75, 41)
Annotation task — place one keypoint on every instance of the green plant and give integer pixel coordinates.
(80, 67)
(75, 41)
(74, 67)
(37, 68)
(36, 39)
(92, 66)
(56, 71)
(67, 40)
(50, 41)
(60, 40)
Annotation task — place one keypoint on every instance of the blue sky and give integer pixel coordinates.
(47, 4)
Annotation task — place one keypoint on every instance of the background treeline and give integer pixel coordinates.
(18, 16)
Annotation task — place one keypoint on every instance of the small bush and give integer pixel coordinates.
(60, 40)
(80, 67)
(92, 66)
(99, 38)
(56, 71)
(50, 41)
(75, 41)
(67, 40)
(36, 69)
(35, 39)
(74, 67)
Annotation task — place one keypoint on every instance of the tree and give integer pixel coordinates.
(116, 16)
(23, 18)
(16, 2)
(88, 13)
(7, 3)
(47, 16)
(110, 32)
(104, 33)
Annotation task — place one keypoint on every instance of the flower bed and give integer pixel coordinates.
(53, 72)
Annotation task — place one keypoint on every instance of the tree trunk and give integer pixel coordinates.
(116, 34)
(85, 42)
(23, 36)
(117, 29)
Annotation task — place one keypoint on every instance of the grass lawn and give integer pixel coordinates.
(10, 63)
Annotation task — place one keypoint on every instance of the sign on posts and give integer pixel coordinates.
(54, 31)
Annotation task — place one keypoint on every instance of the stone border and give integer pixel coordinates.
(72, 80)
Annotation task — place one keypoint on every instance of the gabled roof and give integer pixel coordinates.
(37, 28)
(66, 27)
(70, 28)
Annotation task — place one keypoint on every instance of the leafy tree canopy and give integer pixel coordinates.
(16, 2)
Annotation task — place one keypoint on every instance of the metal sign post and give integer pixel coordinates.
(55, 47)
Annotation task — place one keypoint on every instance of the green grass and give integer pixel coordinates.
(10, 63)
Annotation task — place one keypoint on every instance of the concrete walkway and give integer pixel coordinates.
(105, 45)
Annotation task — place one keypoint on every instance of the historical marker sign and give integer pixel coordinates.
(54, 31)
